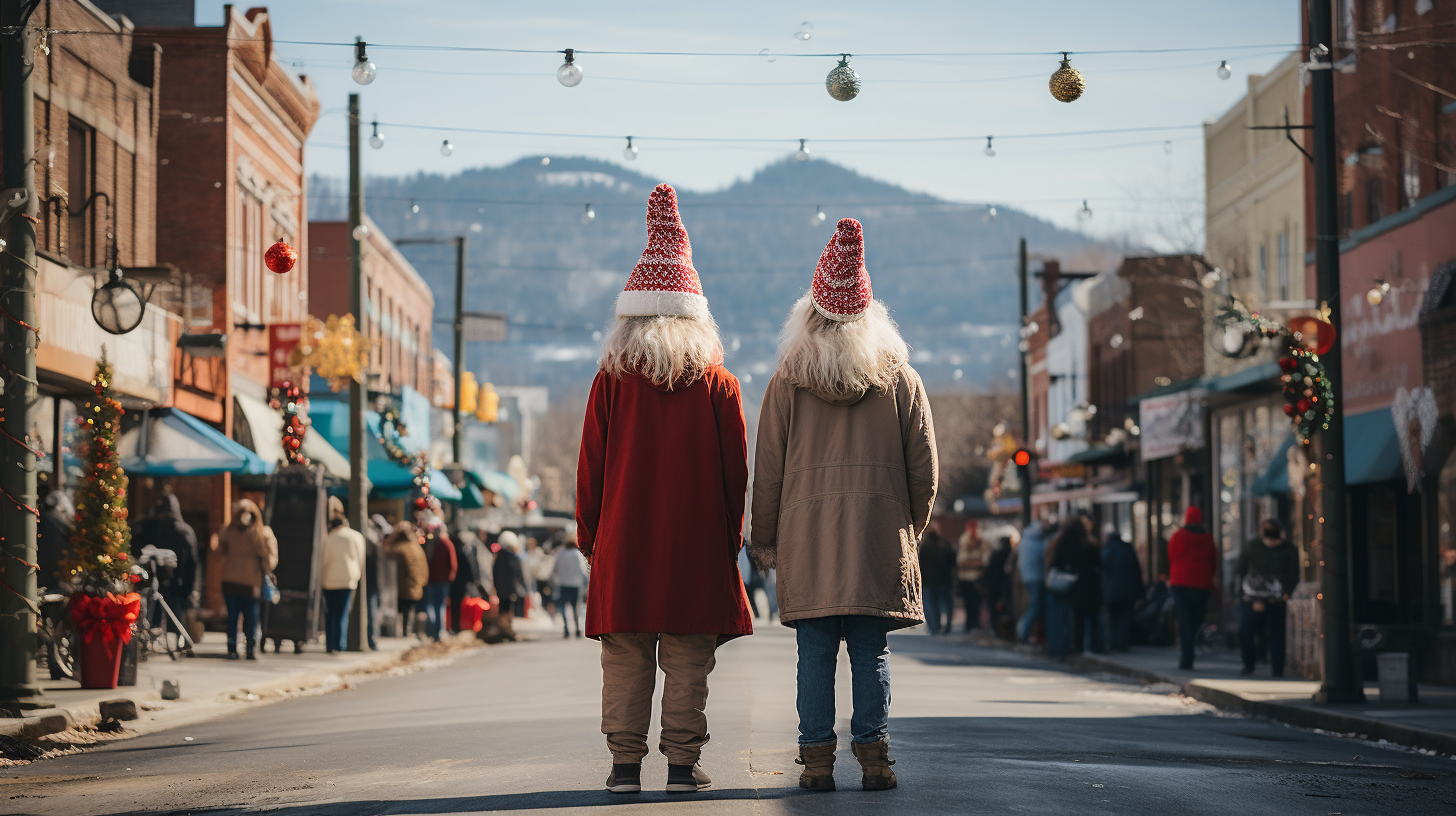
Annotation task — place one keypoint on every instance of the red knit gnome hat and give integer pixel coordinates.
(664, 281)
(841, 284)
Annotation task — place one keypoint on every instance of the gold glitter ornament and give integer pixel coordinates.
(1067, 83)
(842, 82)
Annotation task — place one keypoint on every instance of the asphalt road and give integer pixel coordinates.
(515, 729)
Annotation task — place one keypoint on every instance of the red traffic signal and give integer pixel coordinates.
(1022, 458)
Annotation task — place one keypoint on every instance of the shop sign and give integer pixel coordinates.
(1171, 424)
(282, 339)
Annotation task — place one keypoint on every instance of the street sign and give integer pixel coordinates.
(484, 327)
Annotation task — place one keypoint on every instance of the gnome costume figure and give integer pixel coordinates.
(844, 482)
(660, 492)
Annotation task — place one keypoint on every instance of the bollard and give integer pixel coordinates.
(171, 690)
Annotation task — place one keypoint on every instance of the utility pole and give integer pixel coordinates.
(462, 249)
(1340, 681)
(1023, 345)
(18, 504)
(358, 453)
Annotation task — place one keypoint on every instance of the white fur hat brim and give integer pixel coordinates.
(650, 303)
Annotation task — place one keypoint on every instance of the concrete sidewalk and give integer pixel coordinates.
(1429, 724)
(212, 686)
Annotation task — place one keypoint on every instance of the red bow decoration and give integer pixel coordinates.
(111, 616)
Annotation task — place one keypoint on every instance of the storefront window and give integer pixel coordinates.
(1229, 488)
(1446, 546)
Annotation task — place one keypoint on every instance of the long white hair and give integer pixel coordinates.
(666, 350)
(835, 357)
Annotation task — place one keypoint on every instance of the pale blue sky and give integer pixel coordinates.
(1126, 178)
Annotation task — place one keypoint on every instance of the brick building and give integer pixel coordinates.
(230, 154)
(398, 304)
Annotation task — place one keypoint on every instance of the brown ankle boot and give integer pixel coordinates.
(818, 762)
(874, 760)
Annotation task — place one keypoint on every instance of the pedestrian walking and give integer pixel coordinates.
(1122, 587)
(412, 571)
(997, 586)
(249, 553)
(661, 486)
(844, 484)
(1031, 564)
(1266, 573)
(971, 555)
(509, 579)
(374, 534)
(937, 559)
(466, 583)
(164, 529)
(443, 565)
(1074, 588)
(1192, 567)
(568, 574)
(341, 563)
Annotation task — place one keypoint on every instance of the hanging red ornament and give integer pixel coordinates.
(280, 257)
(1314, 334)
(1287, 363)
(1303, 405)
(1288, 409)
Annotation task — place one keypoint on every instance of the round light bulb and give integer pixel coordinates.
(545, 160)
(414, 208)
(989, 151)
(1374, 297)
(803, 154)
(364, 72)
(589, 215)
(768, 55)
(805, 32)
(446, 148)
(569, 74)
(819, 217)
(1086, 211)
(1224, 71)
(361, 232)
(990, 214)
(629, 152)
(376, 140)
(476, 226)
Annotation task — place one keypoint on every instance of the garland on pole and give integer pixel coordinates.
(1309, 396)
(100, 553)
(290, 399)
(391, 430)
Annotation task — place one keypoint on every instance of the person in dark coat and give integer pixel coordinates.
(1073, 614)
(1265, 576)
(164, 529)
(443, 566)
(509, 579)
(938, 574)
(53, 536)
(1122, 587)
(1193, 562)
(467, 574)
(998, 583)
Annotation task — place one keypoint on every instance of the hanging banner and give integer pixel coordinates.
(282, 339)
(1171, 424)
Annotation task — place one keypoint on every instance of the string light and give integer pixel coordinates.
(376, 139)
(989, 215)
(364, 71)
(803, 154)
(805, 32)
(989, 151)
(1224, 71)
(414, 208)
(1377, 293)
(1067, 83)
(589, 215)
(361, 233)
(446, 148)
(842, 82)
(569, 74)
(819, 216)
(1086, 211)
(768, 55)
(629, 152)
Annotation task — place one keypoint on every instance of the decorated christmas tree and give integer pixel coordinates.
(100, 555)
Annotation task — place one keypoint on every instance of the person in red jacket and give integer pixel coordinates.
(1192, 574)
(442, 572)
(661, 485)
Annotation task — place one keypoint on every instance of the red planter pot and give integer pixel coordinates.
(100, 663)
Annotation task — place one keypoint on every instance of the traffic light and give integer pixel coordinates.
(488, 406)
(1022, 457)
(467, 393)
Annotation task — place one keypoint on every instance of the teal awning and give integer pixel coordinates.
(171, 442)
(496, 482)
(1372, 452)
(1098, 454)
(331, 419)
(1263, 375)
(1275, 478)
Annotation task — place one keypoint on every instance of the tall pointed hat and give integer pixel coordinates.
(841, 284)
(664, 281)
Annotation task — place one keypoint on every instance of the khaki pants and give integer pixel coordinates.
(629, 677)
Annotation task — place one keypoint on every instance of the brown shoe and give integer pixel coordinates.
(818, 762)
(874, 759)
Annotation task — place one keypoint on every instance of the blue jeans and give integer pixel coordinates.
(372, 601)
(336, 618)
(247, 608)
(436, 595)
(569, 598)
(1036, 606)
(939, 607)
(1058, 625)
(869, 665)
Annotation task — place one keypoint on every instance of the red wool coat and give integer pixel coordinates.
(660, 490)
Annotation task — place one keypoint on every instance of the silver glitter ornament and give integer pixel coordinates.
(842, 83)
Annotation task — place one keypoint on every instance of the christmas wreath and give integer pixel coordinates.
(1309, 396)
(391, 430)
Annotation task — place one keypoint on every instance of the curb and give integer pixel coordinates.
(1335, 721)
(56, 721)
